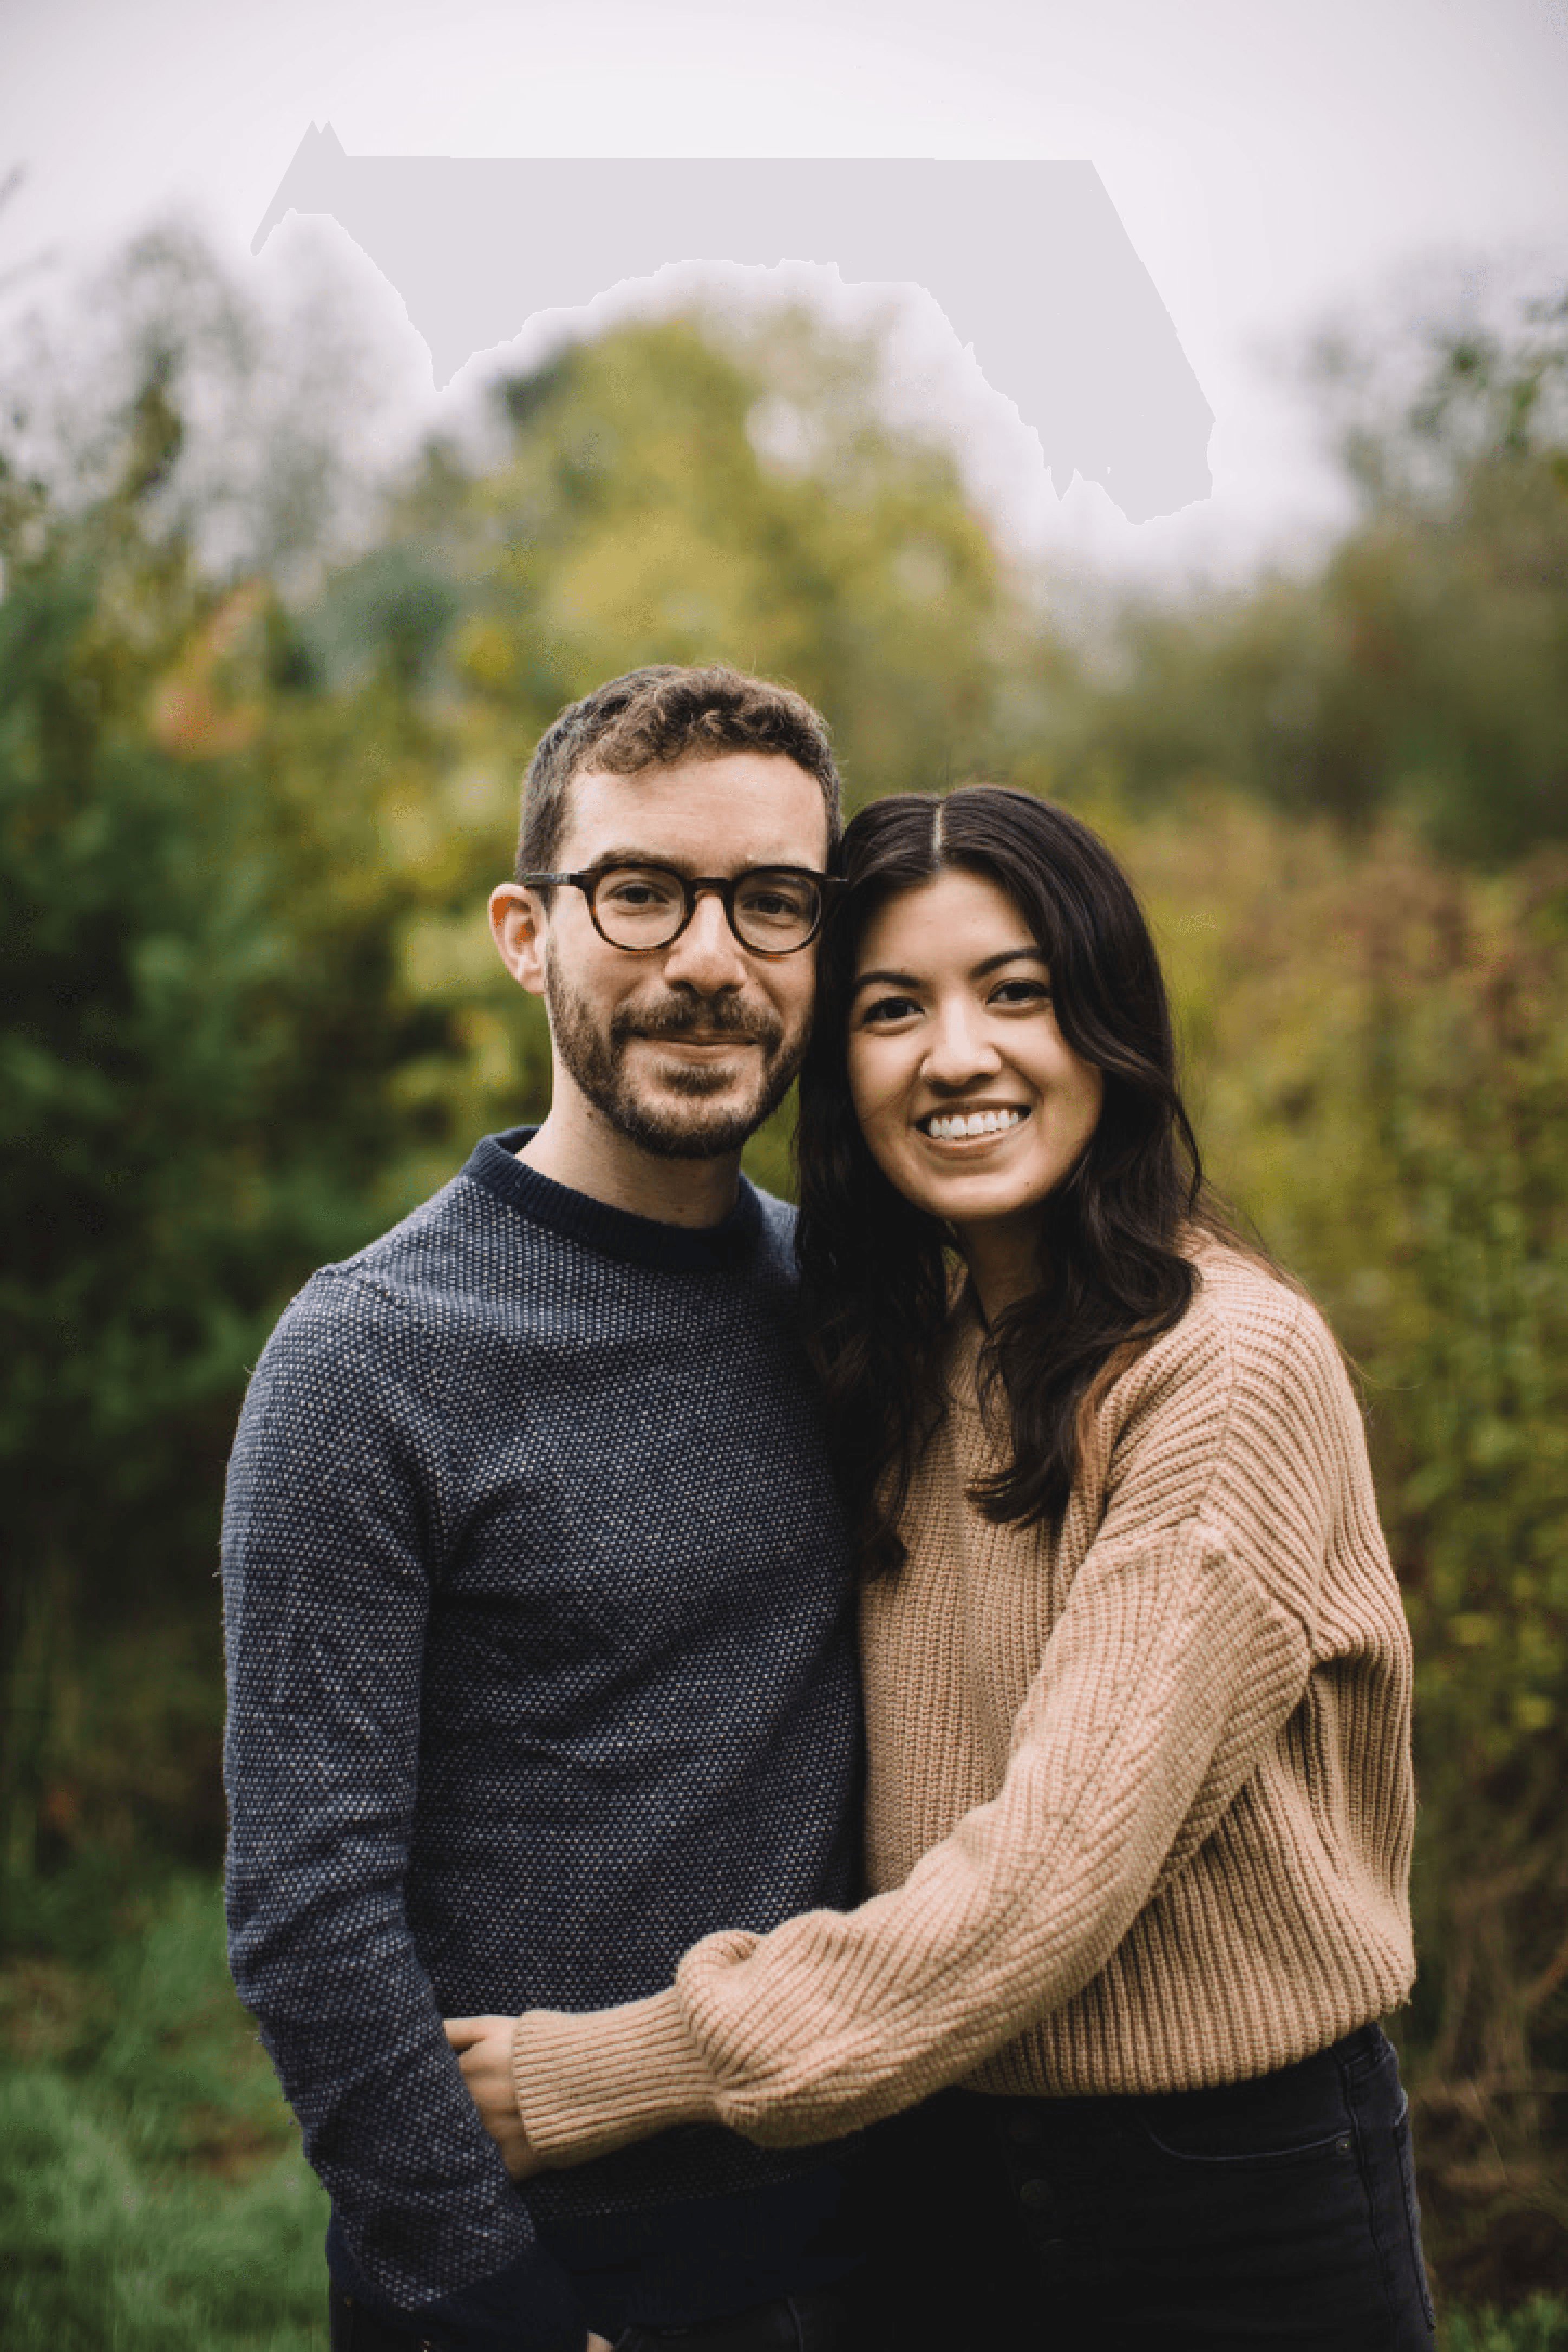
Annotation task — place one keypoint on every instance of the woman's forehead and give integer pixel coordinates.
(944, 916)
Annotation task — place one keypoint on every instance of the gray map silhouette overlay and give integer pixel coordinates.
(1028, 262)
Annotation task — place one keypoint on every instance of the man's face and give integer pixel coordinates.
(687, 1049)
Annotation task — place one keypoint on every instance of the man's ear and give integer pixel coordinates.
(517, 926)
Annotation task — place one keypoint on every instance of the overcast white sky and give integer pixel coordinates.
(1273, 160)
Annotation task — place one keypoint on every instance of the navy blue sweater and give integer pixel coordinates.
(540, 1666)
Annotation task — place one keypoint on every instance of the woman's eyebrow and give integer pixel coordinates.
(884, 980)
(1031, 954)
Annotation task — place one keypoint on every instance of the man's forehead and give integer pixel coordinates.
(739, 807)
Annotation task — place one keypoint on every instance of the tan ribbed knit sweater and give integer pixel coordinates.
(1139, 1805)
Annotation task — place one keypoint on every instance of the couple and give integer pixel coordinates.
(559, 1517)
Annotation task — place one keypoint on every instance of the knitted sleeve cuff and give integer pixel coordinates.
(586, 2084)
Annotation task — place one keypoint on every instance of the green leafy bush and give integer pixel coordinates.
(152, 2195)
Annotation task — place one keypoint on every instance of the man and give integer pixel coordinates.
(536, 1595)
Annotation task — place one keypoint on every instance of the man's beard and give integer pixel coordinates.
(694, 1128)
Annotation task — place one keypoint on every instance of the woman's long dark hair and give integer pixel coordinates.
(1114, 1274)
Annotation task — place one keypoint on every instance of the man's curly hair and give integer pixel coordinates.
(656, 718)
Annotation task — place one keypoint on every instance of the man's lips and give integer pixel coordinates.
(696, 1041)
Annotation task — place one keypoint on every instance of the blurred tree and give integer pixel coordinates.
(1424, 668)
(197, 1015)
(287, 407)
(673, 496)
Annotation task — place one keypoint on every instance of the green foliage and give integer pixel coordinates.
(1423, 668)
(671, 498)
(152, 2195)
(197, 1015)
(1539, 2325)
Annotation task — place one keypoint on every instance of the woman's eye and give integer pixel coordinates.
(1022, 992)
(888, 1009)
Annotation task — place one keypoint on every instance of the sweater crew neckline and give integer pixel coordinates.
(615, 1233)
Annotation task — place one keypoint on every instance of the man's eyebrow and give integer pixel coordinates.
(633, 856)
(688, 866)
(992, 963)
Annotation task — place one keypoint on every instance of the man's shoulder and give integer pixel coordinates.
(385, 1275)
(778, 1219)
(450, 1244)
(345, 1333)
(774, 1266)
(406, 1278)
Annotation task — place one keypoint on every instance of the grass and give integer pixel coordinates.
(152, 2193)
(152, 2197)
(1539, 2325)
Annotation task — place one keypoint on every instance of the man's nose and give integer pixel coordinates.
(707, 956)
(960, 1048)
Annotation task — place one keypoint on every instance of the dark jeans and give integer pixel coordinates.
(1280, 2211)
(798, 2322)
(752, 2269)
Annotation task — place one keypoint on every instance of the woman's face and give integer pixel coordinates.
(971, 1101)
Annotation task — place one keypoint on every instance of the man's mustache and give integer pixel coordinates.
(678, 1016)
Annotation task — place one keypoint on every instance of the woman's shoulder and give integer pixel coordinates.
(1237, 1287)
(1242, 1411)
(1248, 1327)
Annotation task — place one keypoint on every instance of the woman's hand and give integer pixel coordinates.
(484, 2052)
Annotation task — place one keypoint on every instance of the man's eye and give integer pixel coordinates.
(637, 893)
(777, 902)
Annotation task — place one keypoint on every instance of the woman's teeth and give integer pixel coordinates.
(979, 1122)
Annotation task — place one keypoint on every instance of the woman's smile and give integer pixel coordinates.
(982, 1126)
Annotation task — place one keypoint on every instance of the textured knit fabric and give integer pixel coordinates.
(1140, 1795)
(541, 1666)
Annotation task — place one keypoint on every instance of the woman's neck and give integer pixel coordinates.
(1003, 1256)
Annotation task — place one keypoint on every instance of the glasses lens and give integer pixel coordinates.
(638, 905)
(775, 909)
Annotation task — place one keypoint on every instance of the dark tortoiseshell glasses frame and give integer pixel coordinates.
(752, 925)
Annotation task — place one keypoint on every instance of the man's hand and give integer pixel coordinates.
(484, 2052)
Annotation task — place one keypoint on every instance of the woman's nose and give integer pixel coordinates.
(960, 1048)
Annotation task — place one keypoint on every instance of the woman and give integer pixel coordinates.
(1137, 1674)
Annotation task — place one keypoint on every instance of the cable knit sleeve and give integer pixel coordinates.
(1183, 1645)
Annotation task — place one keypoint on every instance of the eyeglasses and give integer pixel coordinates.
(772, 909)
